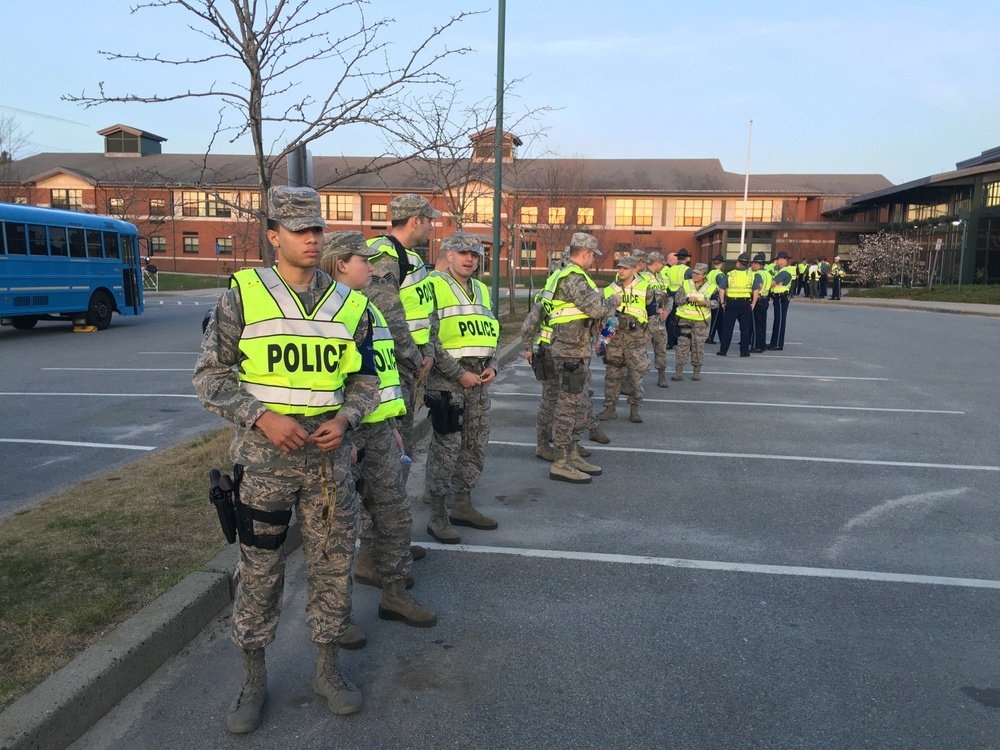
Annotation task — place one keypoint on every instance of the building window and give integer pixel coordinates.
(584, 216)
(693, 213)
(116, 206)
(756, 210)
(191, 244)
(219, 205)
(20, 200)
(157, 245)
(380, 212)
(557, 215)
(631, 212)
(992, 194)
(206, 204)
(190, 203)
(338, 208)
(479, 210)
(157, 207)
(70, 200)
(529, 250)
(529, 214)
(224, 245)
(121, 143)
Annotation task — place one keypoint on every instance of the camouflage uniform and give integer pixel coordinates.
(625, 353)
(546, 407)
(276, 481)
(692, 334)
(657, 327)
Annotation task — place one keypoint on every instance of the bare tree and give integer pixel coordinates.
(273, 45)
(13, 141)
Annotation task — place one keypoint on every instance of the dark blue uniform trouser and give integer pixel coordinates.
(737, 311)
(836, 288)
(671, 325)
(780, 314)
(716, 325)
(822, 287)
(759, 324)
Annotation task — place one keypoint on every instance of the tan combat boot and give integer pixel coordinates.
(661, 378)
(398, 605)
(543, 450)
(463, 514)
(438, 526)
(608, 414)
(364, 572)
(633, 415)
(598, 436)
(563, 471)
(584, 451)
(354, 638)
(574, 459)
(697, 373)
(342, 696)
(245, 712)
(678, 373)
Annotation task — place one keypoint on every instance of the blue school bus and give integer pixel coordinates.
(66, 265)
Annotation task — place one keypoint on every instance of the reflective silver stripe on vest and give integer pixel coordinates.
(416, 275)
(380, 333)
(466, 310)
(293, 327)
(418, 325)
(272, 394)
(472, 351)
(391, 393)
(565, 312)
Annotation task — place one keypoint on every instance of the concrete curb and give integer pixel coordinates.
(62, 708)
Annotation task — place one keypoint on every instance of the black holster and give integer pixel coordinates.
(245, 516)
(542, 364)
(446, 417)
(220, 494)
(573, 377)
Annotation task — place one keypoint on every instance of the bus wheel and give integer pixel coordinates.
(23, 324)
(100, 309)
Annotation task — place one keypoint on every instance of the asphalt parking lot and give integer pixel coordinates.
(798, 551)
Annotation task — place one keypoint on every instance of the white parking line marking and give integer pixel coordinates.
(73, 444)
(756, 456)
(673, 562)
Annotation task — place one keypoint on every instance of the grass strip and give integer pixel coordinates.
(979, 294)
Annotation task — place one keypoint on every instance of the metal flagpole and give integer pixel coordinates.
(746, 190)
(498, 161)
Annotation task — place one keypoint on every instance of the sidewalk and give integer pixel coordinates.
(954, 308)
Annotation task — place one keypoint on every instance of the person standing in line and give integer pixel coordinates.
(718, 277)
(625, 353)
(378, 471)
(675, 277)
(657, 325)
(457, 396)
(401, 290)
(824, 274)
(836, 276)
(802, 278)
(695, 300)
(781, 287)
(762, 283)
(739, 299)
(576, 311)
(289, 447)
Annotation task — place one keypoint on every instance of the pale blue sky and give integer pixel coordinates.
(904, 89)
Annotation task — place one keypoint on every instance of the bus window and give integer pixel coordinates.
(76, 247)
(94, 249)
(17, 239)
(37, 242)
(128, 251)
(57, 242)
(111, 245)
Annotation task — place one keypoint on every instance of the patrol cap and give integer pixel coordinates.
(295, 208)
(683, 253)
(627, 261)
(584, 240)
(743, 258)
(462, 242)
(701, 268)
(640, 255)
(408, 205)
(346, 242)
(759, 258)
(720, 258)
(656, 257)
(784, 255)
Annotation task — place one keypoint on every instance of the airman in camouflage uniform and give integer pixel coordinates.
(396, 266)
(576, 311)
(292, 447)
(379, 469)
(625, 353)
(657, 328)
(694, 302)
(457, 396)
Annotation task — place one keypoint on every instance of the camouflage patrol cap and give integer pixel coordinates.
(346, 242)
(295, 208)
(627, 261)
(640, 255)
(462, 242)
(656, 257)
(701, 268)
(584, 240)
(408, 205)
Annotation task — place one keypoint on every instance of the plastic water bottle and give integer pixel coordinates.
(406, 459)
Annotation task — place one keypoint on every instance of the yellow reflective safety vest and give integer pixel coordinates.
(675, 276)
(544, 327)
(633, 297)
(739, 283)
(765, 281)
(414, 290)
(777, 288)
(468, 326)
(713, 275)
(690, 311)
(561, 311)
(297, 363)
(390, 393)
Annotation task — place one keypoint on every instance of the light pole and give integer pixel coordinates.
(961, 252)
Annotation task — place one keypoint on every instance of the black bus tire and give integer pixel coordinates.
(100, 309)
(23, 324)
